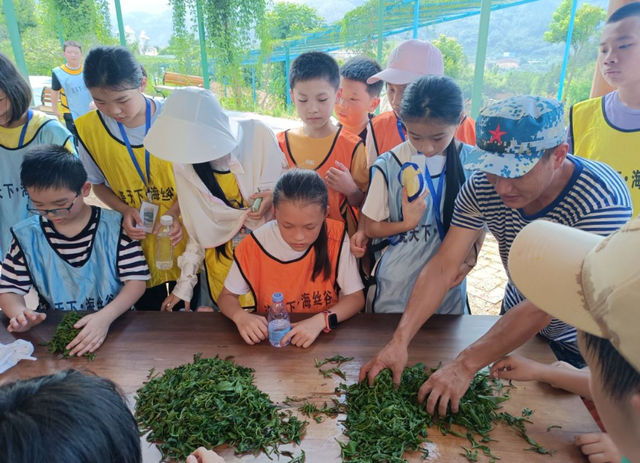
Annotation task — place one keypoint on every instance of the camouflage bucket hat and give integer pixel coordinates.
(513, 134)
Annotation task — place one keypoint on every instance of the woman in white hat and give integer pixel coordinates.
(225, 171)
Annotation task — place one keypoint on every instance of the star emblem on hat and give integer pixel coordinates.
(496, 135)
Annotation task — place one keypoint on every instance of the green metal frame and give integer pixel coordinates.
(14, 35)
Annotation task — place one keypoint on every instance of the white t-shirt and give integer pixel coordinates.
(135, 136)
(376, 205)
(271, 240)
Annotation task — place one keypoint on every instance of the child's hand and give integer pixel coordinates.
(358, 244)
(598, 447)
(412, 211)
(175, 233)
(132, 224)
(518, 368)
(202, 455)
(339, 179)
(253, 328)
(302, 334)
(265, 205)
(170, 301)
(94, 331)
(25, 321)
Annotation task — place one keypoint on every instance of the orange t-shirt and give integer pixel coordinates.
(320, 154)
(386, 133)
(266, 274)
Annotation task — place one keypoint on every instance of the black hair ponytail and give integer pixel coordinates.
(439, 97)
(307, 186)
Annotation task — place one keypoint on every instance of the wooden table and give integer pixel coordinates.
(139, 341)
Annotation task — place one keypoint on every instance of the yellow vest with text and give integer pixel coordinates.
(595, 138)
(112, 158)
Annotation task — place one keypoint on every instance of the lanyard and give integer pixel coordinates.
(436, 196)
(24, 129)
(400, 129)
(147, 124)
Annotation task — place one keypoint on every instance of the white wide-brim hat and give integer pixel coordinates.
(192, 128)
(583, 279)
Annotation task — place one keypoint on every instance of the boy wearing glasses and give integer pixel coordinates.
(75, 255)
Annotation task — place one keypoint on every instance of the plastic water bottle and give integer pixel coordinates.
(164, 249)
(278, 317)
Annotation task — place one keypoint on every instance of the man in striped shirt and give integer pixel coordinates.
(76, 256)
(523, 173)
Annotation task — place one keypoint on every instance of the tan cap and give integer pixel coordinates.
(192, 128)
(409, 61)
(588, 281)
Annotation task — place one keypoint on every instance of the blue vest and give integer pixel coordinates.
(13, 198)
(76, 92)
(399, 266)
(64, 286)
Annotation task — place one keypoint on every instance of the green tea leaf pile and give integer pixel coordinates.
(383, 423)
(208, 403)
(65, 333)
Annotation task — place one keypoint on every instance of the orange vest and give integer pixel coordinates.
(266, 274)
(386, 135)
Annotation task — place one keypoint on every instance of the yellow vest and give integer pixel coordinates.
(594, 138)
(216, 264)
(113, 159)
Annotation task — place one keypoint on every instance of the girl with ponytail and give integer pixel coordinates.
(413, 189)
(303, 255)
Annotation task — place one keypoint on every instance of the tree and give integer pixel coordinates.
(585, 29)
(285, 21)
(85, 21)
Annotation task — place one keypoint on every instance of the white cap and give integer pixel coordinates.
(191, 128)
(166, 220)
(588, 281)
(409, 61)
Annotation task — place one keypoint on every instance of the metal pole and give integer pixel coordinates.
(59, 28)
(380, 29)
(203, 47)
(567, 49)
(123, 39)
(481, 55)
(14, 35)
(416, 18)
(287, 64)
(253, 84)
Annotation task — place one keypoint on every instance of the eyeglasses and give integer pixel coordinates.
(57, 212)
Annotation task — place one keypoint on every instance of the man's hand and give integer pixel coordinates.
(448, 384)
(393, 356)
(25, 321)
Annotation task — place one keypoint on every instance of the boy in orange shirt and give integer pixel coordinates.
(407, 62)
(337, 155)
(357, 100)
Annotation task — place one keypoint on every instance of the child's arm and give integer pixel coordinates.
(304, 333)
(252, 327)
(359, 240)
(412, 212)
(20, 317)
(189, 263)
(96, 325)
(560, 375)
(130, 216)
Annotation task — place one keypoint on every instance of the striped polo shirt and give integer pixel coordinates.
(595, 199)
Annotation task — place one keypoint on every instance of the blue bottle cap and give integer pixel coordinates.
(277, 297)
